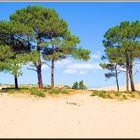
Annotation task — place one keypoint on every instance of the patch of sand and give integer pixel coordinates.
(75, 116)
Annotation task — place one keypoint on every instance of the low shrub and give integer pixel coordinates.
(103, 95)
(117, 94)
(37, 92)
(125, 97)
(64, 91)
(95, 93)
(40, 93)
(132, 95)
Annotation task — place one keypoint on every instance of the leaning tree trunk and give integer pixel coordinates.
(16, 82)
(116, 76)
(38, 66)
(131, 77)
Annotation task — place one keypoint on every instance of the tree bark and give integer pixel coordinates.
(16, 82)
(131, 77)
(52, 75)
(38, 66)
(52, 66)
(127, 72)
(39, 75)
(117, 81)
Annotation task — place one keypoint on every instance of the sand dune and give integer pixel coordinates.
(75, 116)
(122, 88)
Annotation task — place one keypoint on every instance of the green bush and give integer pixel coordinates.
(37, 92)
(118, 94)
(138, 93)
(125, 97)
(56, 91)
(95, 93)
(50, 91)
(132, 95)
(103, 95)
(64, 91)
(40, 93)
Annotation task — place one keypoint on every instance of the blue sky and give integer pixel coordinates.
(89, 21)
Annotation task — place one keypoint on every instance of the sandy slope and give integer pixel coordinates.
(68, 116)
(122, 88)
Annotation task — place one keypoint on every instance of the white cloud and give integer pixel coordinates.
(81, 68)
(63, 62)
(70, 71)
(44, 67)
(84, 66)
(96, 55)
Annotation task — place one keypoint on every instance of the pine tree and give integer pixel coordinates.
(75, 86)
(10, 34)
(39, 20)
(125, 37)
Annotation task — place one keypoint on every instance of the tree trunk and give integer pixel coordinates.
(38, 66)
(16, 82)
(131, 77)
(116, 76)
(39, 75)
(52, 66)
(127, 72)
(52, 75)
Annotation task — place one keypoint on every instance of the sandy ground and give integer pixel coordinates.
(122, 88)
(75, 116)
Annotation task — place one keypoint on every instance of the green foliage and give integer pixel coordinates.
(122, 45)
(125, 97)
(81, 85)
(75, 85)
(37, 92)
(64, 91)
(132, 95)
(95, 93)
(118, 94)
(101, 93)
(6, 54)
(57, 91)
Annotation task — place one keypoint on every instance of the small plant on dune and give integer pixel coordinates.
(50, 91)
(64, 91)
(103, 95)
(95, 93)
(132, 95)
(138, 93)
(40, 93)
(125, 97)
(117, 94)
(56, 91)
(37, 92)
